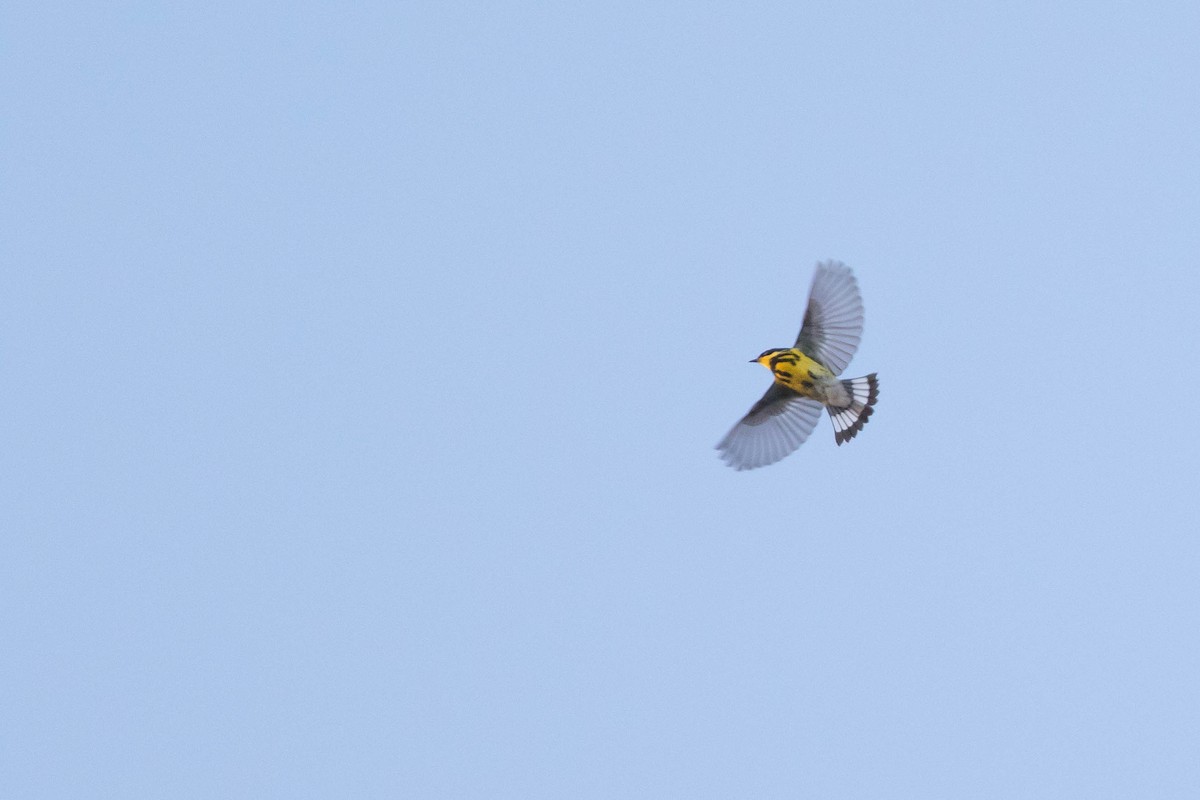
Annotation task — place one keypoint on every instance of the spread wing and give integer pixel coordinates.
(833, 323)
(774, 428)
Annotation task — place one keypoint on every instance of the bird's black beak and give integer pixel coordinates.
(754, 361)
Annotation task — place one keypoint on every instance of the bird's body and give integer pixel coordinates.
(806, 378)
(803, 375)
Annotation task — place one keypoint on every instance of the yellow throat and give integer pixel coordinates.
(795, 370)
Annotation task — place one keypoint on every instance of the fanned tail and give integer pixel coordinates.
(849, 420)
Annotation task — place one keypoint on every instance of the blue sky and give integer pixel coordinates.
(364, 364)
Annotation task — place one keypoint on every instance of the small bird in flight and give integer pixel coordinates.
(806, 378)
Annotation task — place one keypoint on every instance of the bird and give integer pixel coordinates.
(805, 378)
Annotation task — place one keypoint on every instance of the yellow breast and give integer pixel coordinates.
(796, 371)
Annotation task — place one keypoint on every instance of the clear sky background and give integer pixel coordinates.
(362, 367)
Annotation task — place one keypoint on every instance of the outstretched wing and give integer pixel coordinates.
(833, 323)
(774, 428)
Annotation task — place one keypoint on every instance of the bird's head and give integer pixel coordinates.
(764, 358)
